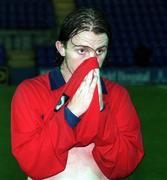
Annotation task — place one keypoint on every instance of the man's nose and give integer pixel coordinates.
(92, 53)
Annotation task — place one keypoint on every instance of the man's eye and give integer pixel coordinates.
(81, 51)
(100, 51)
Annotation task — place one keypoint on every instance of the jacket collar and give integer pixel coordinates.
(56, 80)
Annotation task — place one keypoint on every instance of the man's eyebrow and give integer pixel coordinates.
(104, 46)
(84, 46)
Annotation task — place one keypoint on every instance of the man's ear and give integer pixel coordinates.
(60, 47)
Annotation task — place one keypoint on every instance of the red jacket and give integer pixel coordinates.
(42, 137)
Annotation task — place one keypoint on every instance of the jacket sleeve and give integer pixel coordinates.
(40, 137)
(119, 147)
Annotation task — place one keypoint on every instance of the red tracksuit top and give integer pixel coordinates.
(41, 137)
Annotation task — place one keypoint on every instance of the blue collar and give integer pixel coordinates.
(56, 80)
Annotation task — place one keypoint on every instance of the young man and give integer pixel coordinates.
(71, 123)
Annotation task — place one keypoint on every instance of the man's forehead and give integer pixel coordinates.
(90, 39)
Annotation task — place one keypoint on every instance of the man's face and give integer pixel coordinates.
(83, 46)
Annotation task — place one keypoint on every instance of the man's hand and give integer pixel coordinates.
(82, 98)
(99, 90)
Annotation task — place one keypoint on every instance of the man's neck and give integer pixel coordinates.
(65, 72)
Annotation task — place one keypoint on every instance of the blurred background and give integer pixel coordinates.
(137, 59)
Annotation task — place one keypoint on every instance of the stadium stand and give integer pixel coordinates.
(26, 14)
(134, 23)
(3, 66)
(2, 55)
(45, 56)
(28, 30)
(24, 25)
